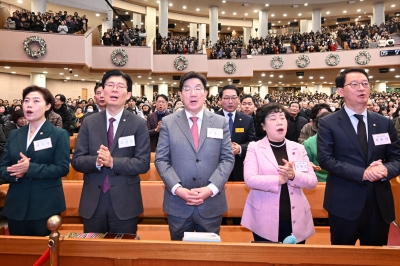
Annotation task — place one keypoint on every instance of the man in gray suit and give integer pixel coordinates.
(194, 158)
(112, 149)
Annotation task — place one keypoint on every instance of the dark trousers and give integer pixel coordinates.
(104, 219)
(28, 227)
(370, 227)
(285, 230)
(178, 226)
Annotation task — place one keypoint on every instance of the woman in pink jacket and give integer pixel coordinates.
(276, 170)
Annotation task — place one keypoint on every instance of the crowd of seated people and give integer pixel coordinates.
(178, 45)
(125, 37)
(229, 47)
(268, 45)
(60, 22)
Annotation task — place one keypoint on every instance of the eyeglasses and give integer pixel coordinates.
(232, 98)
(196, 89)
(112, 86)
(354, 85)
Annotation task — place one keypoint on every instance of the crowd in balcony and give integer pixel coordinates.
(125, 37)
(178, 44)
(60, 22)
(228, 47)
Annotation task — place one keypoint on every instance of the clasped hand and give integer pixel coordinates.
(195, 196)
(20, 168)
(104, 157)
(286, 172)
(375, 171)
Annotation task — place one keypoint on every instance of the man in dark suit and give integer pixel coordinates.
(241, 128)
(112, 149)
(361, 153)
(194, 159)
(304, 111)
(248, 106)
(295, 122)
(154, 120)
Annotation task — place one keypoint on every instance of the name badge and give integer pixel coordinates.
(42, 144)
(301, 166)
(239, 130)
(381, 139)
(128, 141)
(215, 133)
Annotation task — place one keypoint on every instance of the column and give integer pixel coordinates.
(38, 6)
(150, 24)
(263, 23)
(263, 91)
(254, 90)
(213, 14)
(246, 35)
(304, 26)
(246, 90)
(213, 90)
(380, 86)
(193, 31)
(136, 20)
(38, 79)
(163, 18)
(316, 20)
(148, 91)
(163, 89)
(202, 32)
(110, 18)
(136, 91)
(378, 13)
(304, 89)
(255, 26)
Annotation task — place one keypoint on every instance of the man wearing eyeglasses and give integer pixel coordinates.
(361, 153)
(112, 150)
(154, 120)
(194, 159)
(241, 127)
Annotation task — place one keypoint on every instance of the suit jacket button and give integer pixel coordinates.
(197, 160)
(99, 186)
(194, 179)
(293, 207)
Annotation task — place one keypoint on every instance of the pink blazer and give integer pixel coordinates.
(261, 212)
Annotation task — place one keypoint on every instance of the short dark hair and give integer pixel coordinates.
(294, 102)
(228, 87)
(268, 109)
(98, 85)
(47, 96)
(131, 98)
(318, 107)
(247, 96)
(192, 75)
(17, 115)
(162, 96)
(341, 78)
(62, 97)
(118, 73)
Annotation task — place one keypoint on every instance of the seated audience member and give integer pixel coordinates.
(295, 122)
(373, 44)
(310, 145)
(51, 27)
(382, 42)
(79, 116)
(17, 120)
(62, 29)
(389, 41)
(311, 129)
(107, 41)
(275, 190)
(10, 24)
(55, 119)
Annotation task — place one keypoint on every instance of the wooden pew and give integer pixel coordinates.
(152, 157)
(151, 175)
(16, 250)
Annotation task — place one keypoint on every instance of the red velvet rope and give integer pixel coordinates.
(45, 256)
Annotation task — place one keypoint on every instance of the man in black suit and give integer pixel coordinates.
(154, 120)
(361, 153)
(295, 122)
(241, 127)
(248, 106)
(112, 150)
(303, 111)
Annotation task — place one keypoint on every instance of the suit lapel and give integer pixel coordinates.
(103, 128)
(22, 138)
(372, 129)
(121, 127)
(207, 122)
(345, 123)
(43, 133)
(266, 150)
(182, 122)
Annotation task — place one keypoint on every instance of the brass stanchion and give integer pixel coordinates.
(53, 223)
